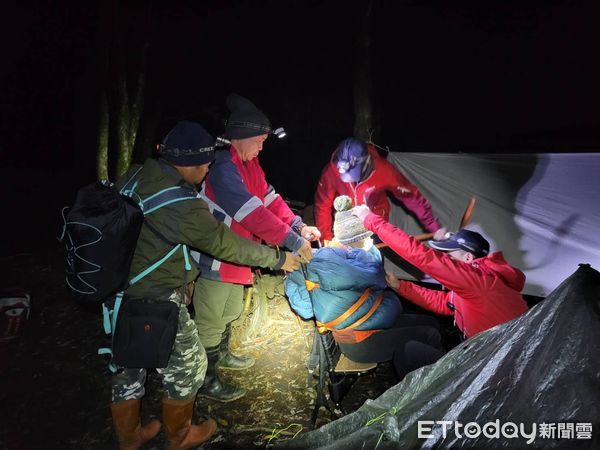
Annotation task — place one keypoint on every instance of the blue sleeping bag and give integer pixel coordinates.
(343, 276)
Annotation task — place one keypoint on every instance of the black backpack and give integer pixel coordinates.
(100, 233)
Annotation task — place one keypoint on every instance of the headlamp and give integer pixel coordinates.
(279, 132)
(343, 166)
(222, 142)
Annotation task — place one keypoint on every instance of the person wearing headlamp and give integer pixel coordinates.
(239, 196)
(357, 170)
(482, 289)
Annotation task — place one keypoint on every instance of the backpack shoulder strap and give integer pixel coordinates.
(129, 187)
(166, 197)
(154, 202)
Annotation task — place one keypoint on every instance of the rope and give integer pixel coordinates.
(276, 432)
(380, 418)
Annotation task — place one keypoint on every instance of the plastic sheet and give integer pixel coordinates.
(540, 372)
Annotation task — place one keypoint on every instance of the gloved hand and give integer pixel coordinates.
(440, 234)
(305, 252)
(310, 233)
(392, 281)
(292, 262)
(361, 212)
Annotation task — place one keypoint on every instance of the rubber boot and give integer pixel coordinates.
(180, 433)
(228, 360)
(129, 429)
(214, 388)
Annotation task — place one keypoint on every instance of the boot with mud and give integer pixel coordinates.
(129, 429)
(181, 434)
(214, 387)
(228, 360)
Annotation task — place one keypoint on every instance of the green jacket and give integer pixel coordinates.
(186, 222)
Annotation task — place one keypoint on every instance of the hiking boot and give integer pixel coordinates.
(214, 387)
(228, 360)
(232, 362)
(129, 429)
(180, 433)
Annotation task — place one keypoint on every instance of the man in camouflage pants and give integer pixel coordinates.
(185, 154)
(187, 364)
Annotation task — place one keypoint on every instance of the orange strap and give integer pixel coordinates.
(348, 312)
(376, 304)
(310, 285)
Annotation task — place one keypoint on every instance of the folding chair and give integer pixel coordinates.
(336, 370)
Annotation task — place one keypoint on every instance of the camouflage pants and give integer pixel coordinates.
(185, 372)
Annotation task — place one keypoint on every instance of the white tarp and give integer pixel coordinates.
(541, 210)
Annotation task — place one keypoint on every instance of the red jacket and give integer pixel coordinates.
(485, 293)
(238, 195)
(384, 179)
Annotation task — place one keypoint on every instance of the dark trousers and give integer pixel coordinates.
(413, 342)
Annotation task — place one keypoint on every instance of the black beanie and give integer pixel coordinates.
(245, 119)
(188, 144)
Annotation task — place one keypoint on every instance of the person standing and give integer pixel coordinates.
(357, 170)
(240, 197)
(184, 158)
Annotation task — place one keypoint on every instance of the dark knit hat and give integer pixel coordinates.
(347, 228)
(188, 144)
(466, 240)
(245, 119)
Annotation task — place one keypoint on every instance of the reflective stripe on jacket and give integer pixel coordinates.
(188, 222)
(239, 196)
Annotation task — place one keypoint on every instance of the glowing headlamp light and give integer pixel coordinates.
(343, 166)
(279, 132)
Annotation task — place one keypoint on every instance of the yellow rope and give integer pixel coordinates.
(380, 418)
(276, 432)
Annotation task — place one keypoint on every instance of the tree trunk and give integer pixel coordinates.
(123, 118)
(363, 109)
(138, 102)
(102, 151)
(120, 111)
(129, 113)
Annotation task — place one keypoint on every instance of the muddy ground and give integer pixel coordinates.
(54, 388)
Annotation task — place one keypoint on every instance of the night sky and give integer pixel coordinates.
(447, 76)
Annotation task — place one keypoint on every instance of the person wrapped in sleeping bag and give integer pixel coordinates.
(346, 294)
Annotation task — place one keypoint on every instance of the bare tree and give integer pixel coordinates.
(129, 114)
(120, 112)
(102, 151)
(364, 127)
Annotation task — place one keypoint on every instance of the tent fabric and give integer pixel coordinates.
(541, 368)
(541, 210)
